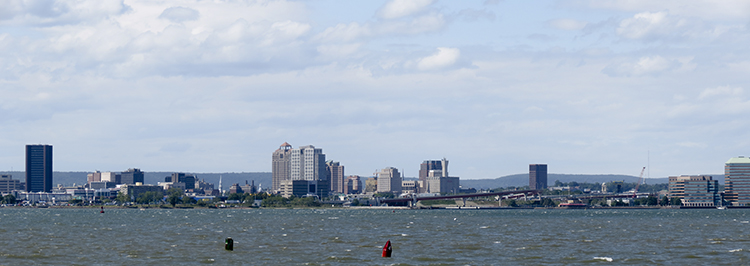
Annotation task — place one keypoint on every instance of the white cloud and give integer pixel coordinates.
(443, 58)
(179, 14)
(567, 24)
(645, 24)
(705, 9)
(647, 65)
(718, 91)
(401, 8)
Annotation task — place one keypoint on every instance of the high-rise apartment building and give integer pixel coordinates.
(39, 168)
(537, 176)
(131, 176)
(281, 166)
(389, 180)
(737, 181)
(336, 176)
(308, 163)
(695, 191)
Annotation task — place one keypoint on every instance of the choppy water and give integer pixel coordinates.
(343, 236)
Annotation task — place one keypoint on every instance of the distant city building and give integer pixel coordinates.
(737, 181)
(8, 184)
(427, 166)
(101, 184)
(188, 180)
(298, 188)
(94, 177)
(409, 186)
(371, 185)
(437, 179)
(110, 177)
(133, 191)
(336, 175)
(249, 188)
(39, 168)
(202, 184)
(34, 197)
(235, 188)
(131, 176)
(353, 185)
(309, 163)
(537, 176)
(695, 191)
(389, 180)
(281, 166)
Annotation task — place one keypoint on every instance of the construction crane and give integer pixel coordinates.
(640, 178)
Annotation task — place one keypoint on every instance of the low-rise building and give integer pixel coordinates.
(409, 187)
(297, 188)
(695, 191)
(8, 184)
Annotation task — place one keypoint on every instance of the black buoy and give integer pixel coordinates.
(387, 249)
(102, 211)
(229, 244)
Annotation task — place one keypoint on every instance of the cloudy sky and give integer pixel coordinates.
(587, 87)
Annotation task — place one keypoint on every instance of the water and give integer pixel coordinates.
(344, 236)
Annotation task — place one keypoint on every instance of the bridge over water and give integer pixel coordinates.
(414, 199)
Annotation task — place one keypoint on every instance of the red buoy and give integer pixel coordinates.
(102, 210)
(387, 249)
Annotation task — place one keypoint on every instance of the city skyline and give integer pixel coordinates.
(587, 87)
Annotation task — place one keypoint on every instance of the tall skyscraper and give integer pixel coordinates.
(538, 176)
(308, 163)
(132, 176)
(737, 181)
(281, 165)
(39, 168)
(336, 175)
(389, 180)
(427, 166)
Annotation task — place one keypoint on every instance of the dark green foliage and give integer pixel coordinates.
(675, 201)
(175, 195)
(279, 201)
(149, 197)
(546, 202)
(648, 201)
(387, 195)
(235, 196)
(8, 199)
(122, 198)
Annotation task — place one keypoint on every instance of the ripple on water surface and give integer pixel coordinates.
(348, 236)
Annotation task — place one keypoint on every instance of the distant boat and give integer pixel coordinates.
(721, 207)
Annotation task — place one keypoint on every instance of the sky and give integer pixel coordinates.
(586, 87)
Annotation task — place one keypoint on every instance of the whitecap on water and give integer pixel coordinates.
(735, 250)
(603, 258)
